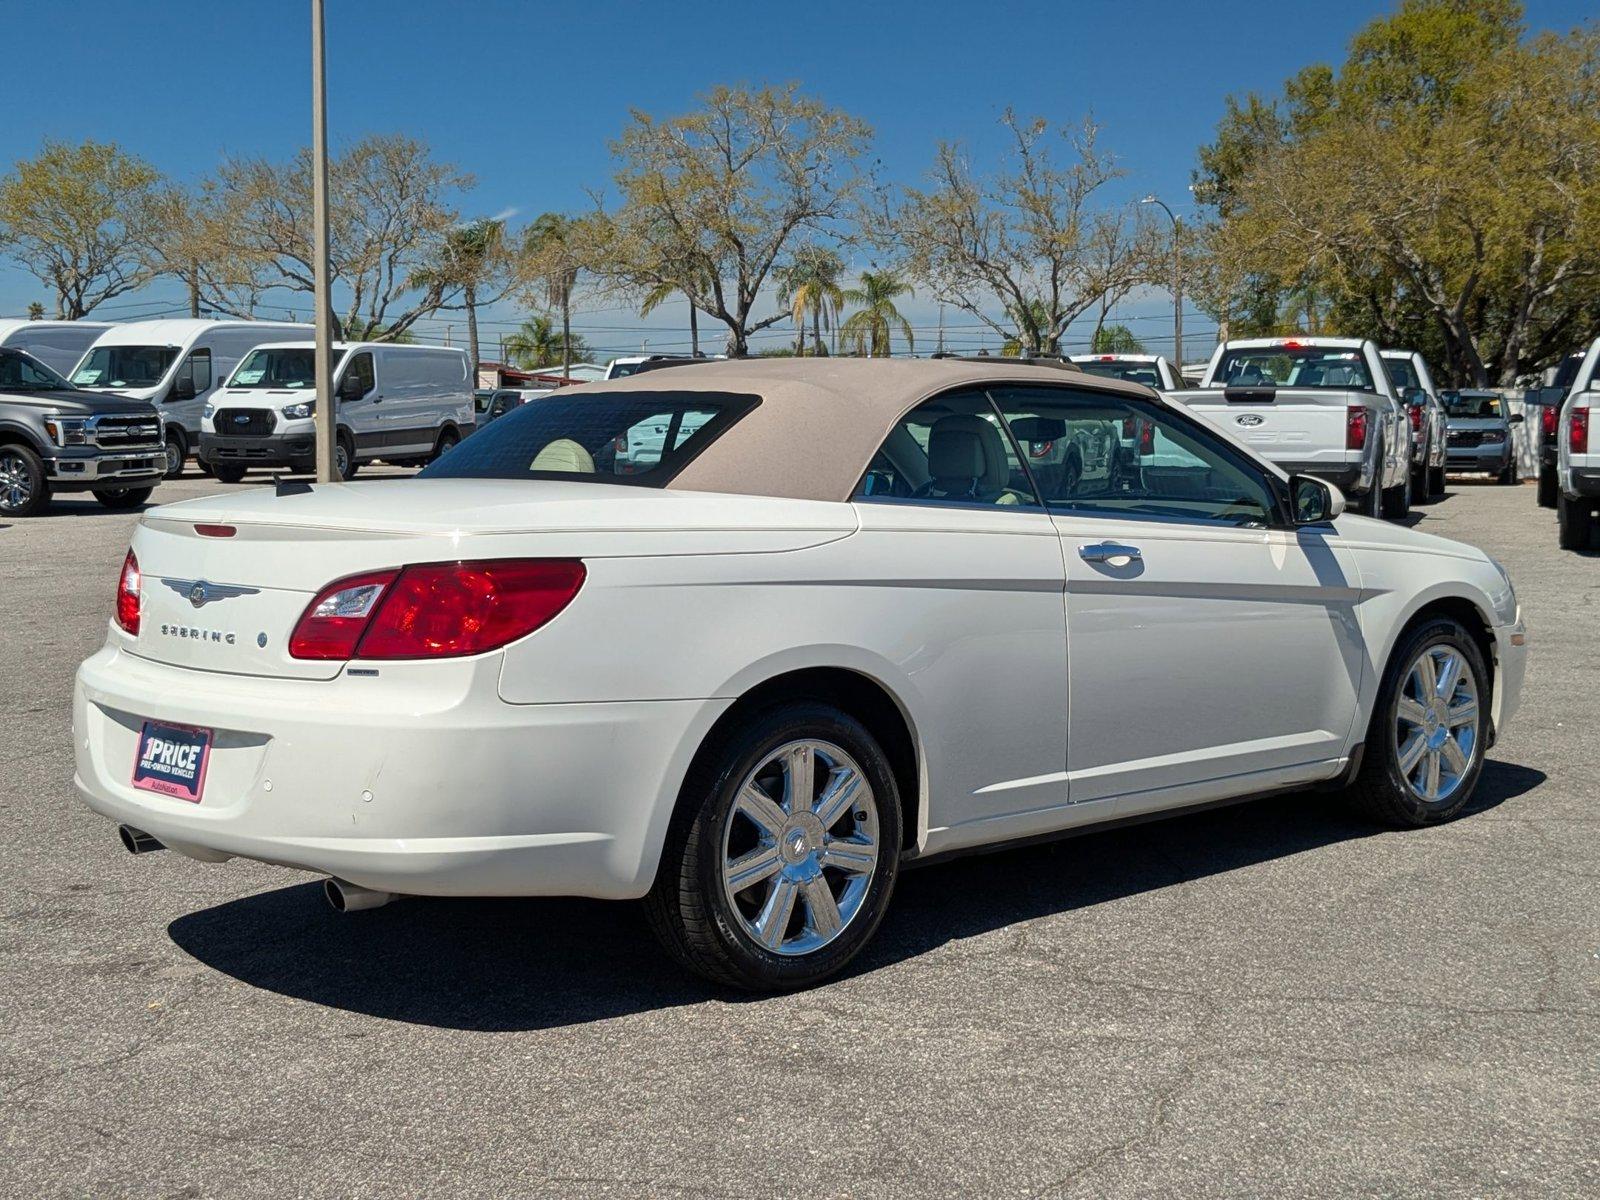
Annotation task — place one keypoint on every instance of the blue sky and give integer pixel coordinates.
(527, 96)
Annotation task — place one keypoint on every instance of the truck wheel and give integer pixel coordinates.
(1508, 477)
(122, 498)
(1435, 482)
(1419, 485)
(1397, 500)
(227, 473)
(344, 458)
(1426, 742)
(1574, 522)
(447, 442)
(782, 857)
(177, 449)
(24, 490)
(1547, 487)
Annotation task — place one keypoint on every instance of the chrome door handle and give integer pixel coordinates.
(1100, 552)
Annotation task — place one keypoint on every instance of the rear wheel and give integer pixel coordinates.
(1574, 522)
(1435, 482)
(1425, 745)
(448, 440)
(784, 853)
(121, 498)
(226, 473)
(1397, 500)
(24, 490)
(1547, 487)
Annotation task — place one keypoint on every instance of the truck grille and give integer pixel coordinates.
(1466, 437)
(127, 431)
(243, 422)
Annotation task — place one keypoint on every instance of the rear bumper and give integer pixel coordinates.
(137, 467)
(1582, 482)
(296, 451)
(419, 782)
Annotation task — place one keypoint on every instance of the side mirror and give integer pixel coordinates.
(182, 389)
(1514, 419)
(1314, 501)
(350, 388)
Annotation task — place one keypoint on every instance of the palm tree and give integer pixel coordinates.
(538, 344)
(472, 256)
(662, 292)
(553, 256)
(810, 285)
(868, 329)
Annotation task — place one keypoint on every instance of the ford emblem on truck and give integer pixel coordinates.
(1249, 419)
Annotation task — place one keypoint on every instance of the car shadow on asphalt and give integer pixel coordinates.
(508, 965)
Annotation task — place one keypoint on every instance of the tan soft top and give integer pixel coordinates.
(821, 420)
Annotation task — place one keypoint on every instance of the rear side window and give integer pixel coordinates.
(638, 438)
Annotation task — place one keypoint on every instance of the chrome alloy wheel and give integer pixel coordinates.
(799, 847)
(1436, 723)
(16, 484)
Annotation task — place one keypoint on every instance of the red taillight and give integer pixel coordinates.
(1291, 345)
(1108, 358)
(435, 610)
(1147, 437)
(215, 530)
(1578, 431)
(334, 621)
(1548, 418)
(128, 596)
(1355, 428)
(1416, 418)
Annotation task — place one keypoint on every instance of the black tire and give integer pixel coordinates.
(1547, 487)
(177, 450)
(227, 473)
(448, 440)
(688, 908)
(1397, 500)
(1419, 485)
(123, 498)
(1380, 789)
(1435, 482)
(1574, 522)
(24, 487)
(1509, 476)
(347, 468)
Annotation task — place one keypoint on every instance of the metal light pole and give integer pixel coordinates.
(1177, 281)
(326, 425)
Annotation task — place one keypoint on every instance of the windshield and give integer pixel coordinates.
(1120, 368)
(280, 367)
(124, 366)
(642, 438)
(21, 372)
(1472, 406)
(1294, 366)
(1401, 373)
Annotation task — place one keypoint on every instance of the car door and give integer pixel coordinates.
(360, 404)
(968, 567)
(1212, 648)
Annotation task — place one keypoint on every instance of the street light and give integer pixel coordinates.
(1177, 280)
(326, 427)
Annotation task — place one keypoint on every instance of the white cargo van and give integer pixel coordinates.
(404, 404)
(176, 365)
(57, 344)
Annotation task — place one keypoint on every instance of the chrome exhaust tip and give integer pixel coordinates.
(349, 897)
(137, 841)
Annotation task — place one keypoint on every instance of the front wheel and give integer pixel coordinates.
(177, 450)
(344, 459)
(123, 498)
(1508, 475)
(228, 474)
(781, 860)
(24, 488)
(1425, 745)
(1397, 500)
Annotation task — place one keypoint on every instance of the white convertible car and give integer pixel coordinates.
(845, 617)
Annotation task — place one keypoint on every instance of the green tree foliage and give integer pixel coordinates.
(538, 343)
(78, 217)
(475, 263)
(712, 200)
(1116, 339)
(1437, 190)
(871, 328)
(809, 285)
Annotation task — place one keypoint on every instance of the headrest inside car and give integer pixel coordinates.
(955, 454)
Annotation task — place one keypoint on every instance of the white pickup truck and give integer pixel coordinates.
(1152, 370)
(1318, 406)
(1578, 456)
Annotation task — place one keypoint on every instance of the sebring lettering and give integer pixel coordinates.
(203, 635)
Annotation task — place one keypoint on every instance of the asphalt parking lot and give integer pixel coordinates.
(1272, 999)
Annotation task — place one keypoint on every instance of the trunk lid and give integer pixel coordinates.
(230, 603)
(1279, 422)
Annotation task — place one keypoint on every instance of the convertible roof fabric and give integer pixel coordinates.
(821, 420)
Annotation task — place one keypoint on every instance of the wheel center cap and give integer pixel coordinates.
(800, 838)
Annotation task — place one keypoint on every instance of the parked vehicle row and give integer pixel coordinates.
(902, 624)
(1408, 372)
(1577, 470)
